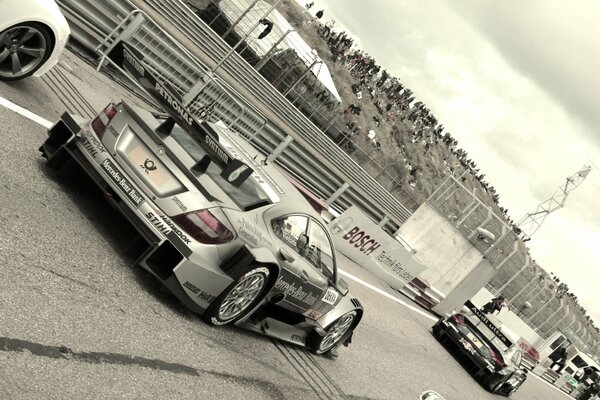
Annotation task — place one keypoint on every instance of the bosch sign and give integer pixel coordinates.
(365, 243)
(361, 240)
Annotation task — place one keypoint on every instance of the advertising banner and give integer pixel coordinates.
(365, 243)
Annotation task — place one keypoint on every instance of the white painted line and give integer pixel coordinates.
(389, 296)
(25, 113)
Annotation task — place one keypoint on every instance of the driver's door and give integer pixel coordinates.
(297, 279)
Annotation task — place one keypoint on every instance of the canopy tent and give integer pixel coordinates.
(233, 10)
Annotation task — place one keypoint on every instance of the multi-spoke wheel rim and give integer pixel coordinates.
(336, 332)
(241, 296)
(22, 50)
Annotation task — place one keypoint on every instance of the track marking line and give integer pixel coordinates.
(25, 113)
(389, 296)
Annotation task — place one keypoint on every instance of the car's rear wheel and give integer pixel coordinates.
(240, 297)
(23, 50)
(335, 334)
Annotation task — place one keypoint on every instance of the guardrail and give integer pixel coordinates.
(340, 179)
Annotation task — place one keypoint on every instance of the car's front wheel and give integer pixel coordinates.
(240, 297)
(23, 50)
(335, 333)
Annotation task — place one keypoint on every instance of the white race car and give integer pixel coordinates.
(32, 35)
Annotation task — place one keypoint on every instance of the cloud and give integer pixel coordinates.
(552, 42)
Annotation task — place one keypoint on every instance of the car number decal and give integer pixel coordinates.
(331, 296)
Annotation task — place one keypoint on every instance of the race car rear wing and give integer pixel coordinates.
(234, 170)
(492, 327)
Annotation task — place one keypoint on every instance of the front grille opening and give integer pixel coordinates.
(164, 260)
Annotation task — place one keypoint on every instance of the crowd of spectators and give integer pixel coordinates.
(395, 103)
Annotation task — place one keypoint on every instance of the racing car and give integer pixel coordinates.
(226, 233)
(487, 353)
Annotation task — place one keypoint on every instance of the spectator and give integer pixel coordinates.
(558, 357)
(493, 305)
(268, 27)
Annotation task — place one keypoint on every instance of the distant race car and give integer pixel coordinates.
(227, 234)
(492, 358)
(33, 33)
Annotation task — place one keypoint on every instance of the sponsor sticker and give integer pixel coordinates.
(122, 182)
(331, 296)
(92, 145)
(467, 345)
(312, 314)
(296, 291)
(149, 165)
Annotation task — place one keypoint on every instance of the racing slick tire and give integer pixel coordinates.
(239, 298)
(24, 48)
(335, 334)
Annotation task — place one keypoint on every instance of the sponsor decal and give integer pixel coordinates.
(361, 240)
(483, 318)
(249, 232)
(92, 145)
(356, 236)
(300, 294)
(312, 314)
(148, 165)
(201, 294)
(467, 346)
(134, 63)
(179, 203)
(395, 266)
(152, 168)
(176, 229)
(331, 296)
(123, 183)
(268, 182)
(158, 224)
(175, 105)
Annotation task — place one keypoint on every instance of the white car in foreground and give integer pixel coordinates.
(32, 35)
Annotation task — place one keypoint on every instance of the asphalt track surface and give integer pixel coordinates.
(78, 321)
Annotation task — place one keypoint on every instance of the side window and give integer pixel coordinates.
(319, 251)
(289, 229)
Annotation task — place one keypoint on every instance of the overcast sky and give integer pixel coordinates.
(518, 84)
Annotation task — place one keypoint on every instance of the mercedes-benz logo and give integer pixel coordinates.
(340, 225)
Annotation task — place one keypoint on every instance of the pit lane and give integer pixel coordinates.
(78, 321)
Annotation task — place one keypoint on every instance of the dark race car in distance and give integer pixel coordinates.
(226, 232)
(485, 351)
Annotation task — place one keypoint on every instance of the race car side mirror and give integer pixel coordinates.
(302, 241)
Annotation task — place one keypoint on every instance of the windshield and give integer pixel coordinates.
(248, 195)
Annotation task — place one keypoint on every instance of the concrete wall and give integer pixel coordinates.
(449, 257)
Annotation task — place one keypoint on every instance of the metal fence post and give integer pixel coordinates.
(243, 39)
(337, 194)
(279, 149)
(268, 55)
(315, 62)
(237, 21)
